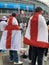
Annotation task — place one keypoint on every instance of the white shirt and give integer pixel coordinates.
(2, 25)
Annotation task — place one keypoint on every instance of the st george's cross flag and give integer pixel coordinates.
(11, 37)
(37, 32)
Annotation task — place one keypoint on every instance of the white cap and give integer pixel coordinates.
(4, 18)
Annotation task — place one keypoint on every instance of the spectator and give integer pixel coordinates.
(37, 36)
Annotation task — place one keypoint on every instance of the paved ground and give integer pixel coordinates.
(4, 60)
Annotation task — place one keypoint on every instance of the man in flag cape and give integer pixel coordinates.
(37, 35)
(37, 32)
(11, 38)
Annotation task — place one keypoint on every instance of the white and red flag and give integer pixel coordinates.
(37, 32)
(11, 37)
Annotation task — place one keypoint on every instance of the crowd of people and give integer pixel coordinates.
(35, 35)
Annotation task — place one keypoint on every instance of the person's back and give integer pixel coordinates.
(37, 36)
(17, 43)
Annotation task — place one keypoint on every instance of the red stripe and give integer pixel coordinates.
(12, 27)
(9, 33)
(34, 27)
(36, 43)
(8, 39)
(9, 28)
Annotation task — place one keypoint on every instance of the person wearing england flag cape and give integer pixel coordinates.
(11, 34)
(37, 36)
(11, 38)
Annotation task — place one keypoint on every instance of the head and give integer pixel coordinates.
(39, 9)
(14, 14)
(4, 18)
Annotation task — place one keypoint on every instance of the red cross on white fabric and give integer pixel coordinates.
(9, 28)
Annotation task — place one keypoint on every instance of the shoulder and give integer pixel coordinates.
(40, 16)
(14, 19)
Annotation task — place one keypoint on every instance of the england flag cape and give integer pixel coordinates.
(37, 32)
(11, 37)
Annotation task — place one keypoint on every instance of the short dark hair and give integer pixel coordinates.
(14, 14)
(38, 9)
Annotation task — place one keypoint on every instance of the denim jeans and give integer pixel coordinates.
(13, 55)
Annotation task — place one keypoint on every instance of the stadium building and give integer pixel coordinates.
(22, 8)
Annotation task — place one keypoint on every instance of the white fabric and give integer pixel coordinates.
(27, 35)
(21, 25)
(15, 39)
(42, 30)
(15, 22)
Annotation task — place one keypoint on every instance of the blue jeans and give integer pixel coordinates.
(13, 55)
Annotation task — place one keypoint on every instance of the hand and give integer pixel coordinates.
(20, 28)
